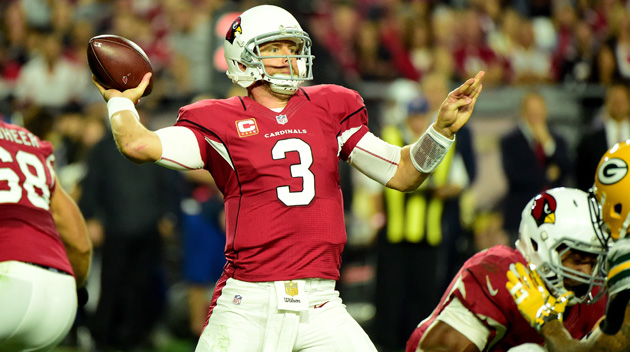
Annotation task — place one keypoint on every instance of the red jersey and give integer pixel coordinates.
(278, 172)
(480, 287)
(27, 181)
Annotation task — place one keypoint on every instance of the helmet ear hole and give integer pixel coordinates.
(534, 244)
(617, 208)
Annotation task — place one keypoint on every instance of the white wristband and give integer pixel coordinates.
(118, 104)
(427, 153)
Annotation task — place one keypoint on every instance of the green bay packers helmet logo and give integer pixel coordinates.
(612, 171)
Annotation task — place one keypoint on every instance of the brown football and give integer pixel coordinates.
(118, 63)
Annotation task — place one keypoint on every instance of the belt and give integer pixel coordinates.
(54, 270)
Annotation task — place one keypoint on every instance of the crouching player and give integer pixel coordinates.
(477, 313)
(612, 183)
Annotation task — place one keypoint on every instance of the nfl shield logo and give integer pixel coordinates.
(237, 299)
(291, 288)
(282, 119)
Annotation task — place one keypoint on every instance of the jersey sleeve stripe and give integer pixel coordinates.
(198, 126)
(352, 114)
(349, 139)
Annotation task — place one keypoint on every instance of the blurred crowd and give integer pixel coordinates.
(413, 50)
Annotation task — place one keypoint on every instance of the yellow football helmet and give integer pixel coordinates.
(612, 190)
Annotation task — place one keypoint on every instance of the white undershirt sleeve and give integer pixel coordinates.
(464, 321)
(180, 150)
(375, 158)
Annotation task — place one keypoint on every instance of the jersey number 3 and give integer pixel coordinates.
(301, 170)
(34, 179)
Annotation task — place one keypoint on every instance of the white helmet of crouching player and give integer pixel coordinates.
(260, 25)
(555, 222)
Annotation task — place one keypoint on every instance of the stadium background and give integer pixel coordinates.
(382, 48)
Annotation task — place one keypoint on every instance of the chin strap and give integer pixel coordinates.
(284, 88)
(283, 84)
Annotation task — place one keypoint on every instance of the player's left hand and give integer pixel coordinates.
(458, 106)
(533, 299)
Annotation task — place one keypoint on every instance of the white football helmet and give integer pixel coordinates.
(259, 25)
(555, 222)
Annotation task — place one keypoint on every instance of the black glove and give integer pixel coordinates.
(618, 284)
(82, 296)
(615, 312)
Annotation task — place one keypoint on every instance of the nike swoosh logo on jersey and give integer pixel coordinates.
(493, 291)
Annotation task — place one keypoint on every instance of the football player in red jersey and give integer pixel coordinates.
(542, 308)
(274, 155)
(477, 313)
(45, 252)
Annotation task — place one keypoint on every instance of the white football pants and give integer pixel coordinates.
(247, 319)
(37, 307)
